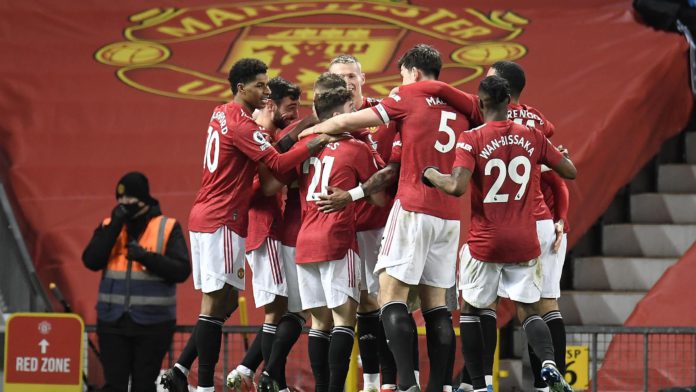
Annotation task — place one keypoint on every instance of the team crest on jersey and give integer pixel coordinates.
(240, 273)
(187, 52)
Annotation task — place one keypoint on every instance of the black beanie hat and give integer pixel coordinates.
(135, 184)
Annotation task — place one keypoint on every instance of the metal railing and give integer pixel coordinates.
(635, 358)
(20, 288)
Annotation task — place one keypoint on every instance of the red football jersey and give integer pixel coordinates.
(265, 217)
(234, 146)
(527, 115)
(556, 196)
(428, 128)
(502, 157)
(235, 143)
(292, 212)
(381, 139)
(343, 164)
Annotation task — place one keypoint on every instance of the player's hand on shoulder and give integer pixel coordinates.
(334, 200)
(307, 132)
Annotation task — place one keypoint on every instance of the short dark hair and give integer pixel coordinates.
(245, 71)
(423, 57)
(513, 73)
(329, 101)
(281, 88)
(494, 90)
(329, 81)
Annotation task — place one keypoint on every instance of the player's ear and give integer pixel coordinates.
(362, 77)
(480, 103)
(240, 88)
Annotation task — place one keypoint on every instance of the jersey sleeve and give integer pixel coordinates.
(549, 156)
(561, 196)
(465, 103)
(396, 150)
(394, 107)
(252, 142)
(367, 162)
(465, 154)
(549, 129)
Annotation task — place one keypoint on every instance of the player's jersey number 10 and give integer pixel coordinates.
(212, 150)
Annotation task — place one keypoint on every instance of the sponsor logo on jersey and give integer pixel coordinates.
(297, 39)
(465, 146)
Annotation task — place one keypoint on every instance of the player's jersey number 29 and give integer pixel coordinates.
(511, 171)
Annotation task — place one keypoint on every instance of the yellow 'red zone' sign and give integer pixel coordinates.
(577, 367)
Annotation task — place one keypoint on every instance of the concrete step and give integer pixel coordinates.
(598, 307)
(690, 138)
(647, 240)
(676, 178)
(618, 273)
(663, 208)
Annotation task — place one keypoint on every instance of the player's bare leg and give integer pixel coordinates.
(318, 347)
(548, 308)
(397, 327)
(368, 340)
(539, 338)
(440, 337)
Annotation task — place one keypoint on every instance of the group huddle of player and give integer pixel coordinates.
(350, 217)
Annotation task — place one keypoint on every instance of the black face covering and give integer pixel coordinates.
(131, 209)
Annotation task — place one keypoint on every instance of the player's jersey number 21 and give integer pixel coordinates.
(322, 172)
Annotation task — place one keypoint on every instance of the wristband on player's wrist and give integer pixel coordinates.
(424, 179)
(357, 193)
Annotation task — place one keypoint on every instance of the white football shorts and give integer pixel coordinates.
(217, 258)
(368, 242)
(419, 248)
(479, 281)
(274, 273)
(329, 283)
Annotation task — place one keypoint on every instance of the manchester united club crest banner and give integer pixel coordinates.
(298, 39)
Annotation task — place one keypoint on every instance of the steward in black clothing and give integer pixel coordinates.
(142, 255)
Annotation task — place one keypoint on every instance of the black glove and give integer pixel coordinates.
(135, 251)
(424, 180)
(119, 215)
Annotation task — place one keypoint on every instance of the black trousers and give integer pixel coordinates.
(133, 351)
